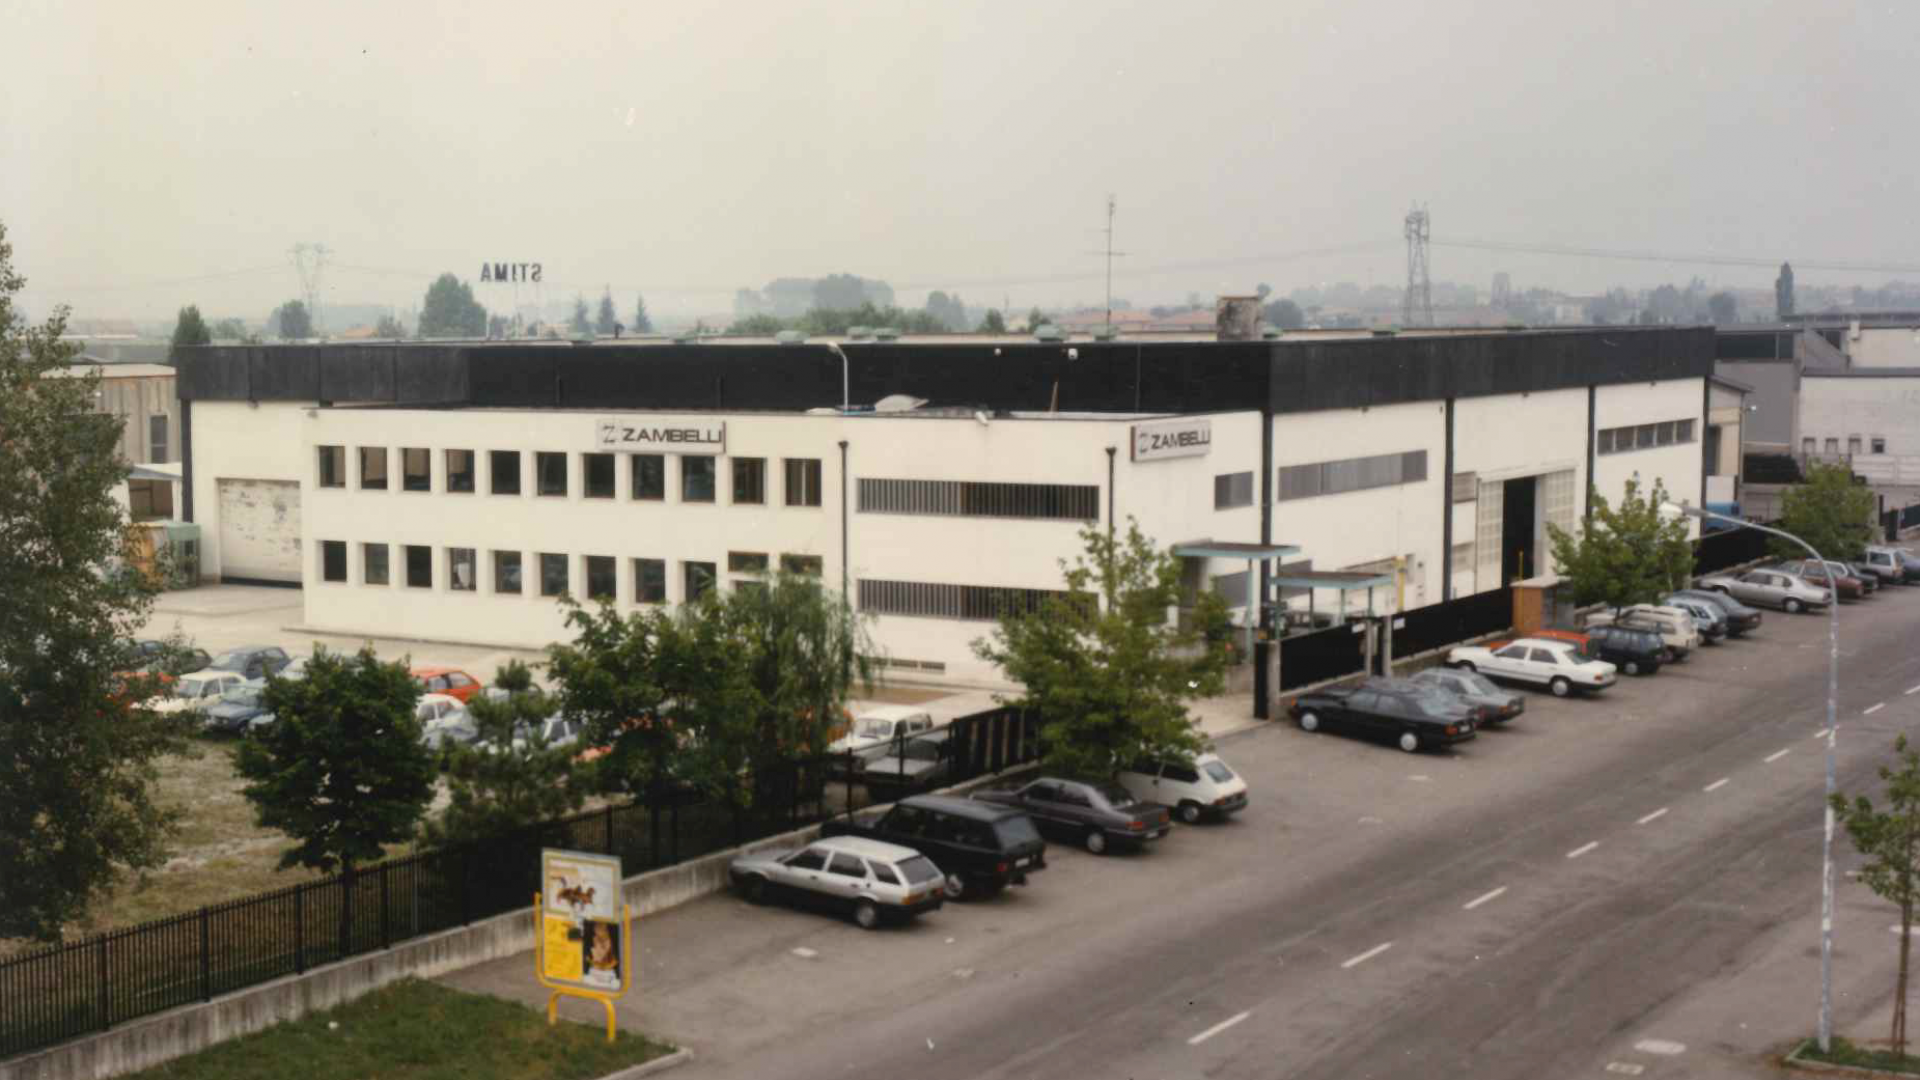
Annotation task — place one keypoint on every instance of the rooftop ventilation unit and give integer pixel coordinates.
(1105, 332)
(791, 337)
(894, 403)
(1049, 332)
(887, 333)
(1270, 333)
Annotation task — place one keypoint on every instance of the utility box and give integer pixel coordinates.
(1536, 604)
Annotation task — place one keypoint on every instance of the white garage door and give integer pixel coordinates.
(260, 530)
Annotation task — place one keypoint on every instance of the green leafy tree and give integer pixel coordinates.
(1625, 554)
(76, 755)
(390, 327)
(605, 320)
(1036, 319)
(993, 323)
(1105, 668)
(1890, 841)
(291, 321)
(762, 325)
(1284, 314)
(1723, 309)
(341, 769)
(840, 320)
(510, 777)
(581, 324)
(612, 678)
(229, 330)
(840, 292)
(451, 311)
(642, 324)
(190, 329)
(949, 311)
(1829, 511)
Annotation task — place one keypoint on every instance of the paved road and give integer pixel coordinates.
(1516, 909)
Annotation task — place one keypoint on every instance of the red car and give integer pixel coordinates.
(1813, 573)
(449, 681)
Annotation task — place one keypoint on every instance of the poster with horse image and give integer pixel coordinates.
(580, 917)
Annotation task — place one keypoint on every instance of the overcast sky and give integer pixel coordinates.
(687, 149)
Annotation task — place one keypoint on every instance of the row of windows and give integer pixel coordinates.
(1352, 474)
(1645, 436)
(968, 498)
(599, 472)
(1232, 490)
(1879, 444)
(983, 602)
(553, 572)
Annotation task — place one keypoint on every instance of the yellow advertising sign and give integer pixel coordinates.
(583, 933)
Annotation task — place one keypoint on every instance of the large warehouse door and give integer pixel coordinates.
(260, 530)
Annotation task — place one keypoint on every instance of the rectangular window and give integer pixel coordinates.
(1353, 474)
(150, 500)
(373, 560)
(1683, 431)
(973, 602)
(597, 471)
(749, 481)
(506, 572)
(1833, 446)
(373, 468)
(970, 498)
(419, 566)
(503, 466)
(333, 560)
(1806, 445)
(460, 471)
(1879, 445)
(1645, 436)
(1232, 489)
(333, 466)
(157, 439)
(810, 565)
(416, 469)
(696, 478)
(463, 573)
(697, 578)
(649, 476)
(746, 562)
(650, 581)
(803, 481)
(601, 583)
(1853, 445)
(1663, 433)
(1603, 442)
(1466, 487)
(550, 472)
(553, 574)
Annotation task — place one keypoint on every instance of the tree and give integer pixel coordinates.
(510, 777)
(605, 320)
(579, 324)
(946, 310)
(1263, 291)
(229, 330)
(611, 679)
(840, 292)
(1783, 291)
(1829, 511)
(993, 323)
(342, 769)
(762, 325)
(1623, 555)
(1723, 309)
(189, 330)
(76, 756)
(1284, 314)
(498, 327)
(642, 324)
(1105, 668)
(1890, 840)
(451, 311)
(291, 321)
(390, 327)
(1036, 319)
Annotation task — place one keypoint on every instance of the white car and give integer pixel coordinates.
(197, 691)
(1677, 628)
(875, 730)
(1205, 788)
(444, 721)
(1557, 665)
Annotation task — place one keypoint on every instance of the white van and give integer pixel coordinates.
(1206, 788)
(1676, 627)
(875, 732)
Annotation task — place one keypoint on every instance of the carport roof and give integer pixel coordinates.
(1344, 580)
(1232, 549)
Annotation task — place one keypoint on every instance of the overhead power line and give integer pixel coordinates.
(156, 283)
(1669, 257)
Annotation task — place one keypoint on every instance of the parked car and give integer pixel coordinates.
(1820, 575)
(1560, 666)
(157, 658)
(234, 713)
(1869, 580)
(1676, 628)
(444, 722)
(449, 681)
(1475, 689)
(1203, 787)
(1740, 617)
(1412, 720)
(1893, 565)
(872, 880)
(921, 762)
(1633, 652)
(874, 730)
(1097, 816)
(251, 661)
(198, 691)
(1707, 618)
(557, 730)
(1770, 588)
(982, 848)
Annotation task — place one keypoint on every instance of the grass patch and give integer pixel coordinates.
(1862, 1057)
(415, 1030)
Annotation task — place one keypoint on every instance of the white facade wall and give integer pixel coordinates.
(1845, 408)
(1512, 437)
(1886, 346)
(235, 440)
(1676, 466)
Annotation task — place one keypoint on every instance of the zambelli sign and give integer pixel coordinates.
(1172, 439)
(669, 435)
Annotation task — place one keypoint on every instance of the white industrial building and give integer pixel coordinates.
(450, 493)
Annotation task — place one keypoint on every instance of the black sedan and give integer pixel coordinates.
(1497, 706)
(1410, 718)
(1094, 815)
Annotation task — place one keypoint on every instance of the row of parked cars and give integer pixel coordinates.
(1443, 706)
(927, 850)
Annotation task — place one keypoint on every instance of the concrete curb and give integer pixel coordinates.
(1794, 1060)
(648, 1068)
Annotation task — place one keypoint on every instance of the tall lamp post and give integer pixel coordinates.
(1676, 510)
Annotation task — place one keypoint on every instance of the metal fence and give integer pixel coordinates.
(1893, 521)
(1438, 625)
(1716, 551)
(62, 991)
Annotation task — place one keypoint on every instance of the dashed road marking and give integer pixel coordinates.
(1777, 755)
(1583, 849)
(1915, 690)
(1822, 733)
(1871, 709)
(1217, 1029)
(805, 953)
(1662, 1047)
(1655, 816)
(1478, 900)
(1625, 1068)
(1717, 785)
(1368, 955)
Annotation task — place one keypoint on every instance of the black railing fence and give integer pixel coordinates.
(1730, 547)
(63, 991)
(1339, 651)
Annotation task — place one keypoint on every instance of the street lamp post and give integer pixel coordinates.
(1671, 509)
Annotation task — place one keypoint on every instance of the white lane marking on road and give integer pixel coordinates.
(1662, 1047)
(1217, 1029)
(1717, 785)
(1915, 690)
(1655, 816)
(1368, 955)
(1777, 755)
(805, 953)
(1478, 900)
(1625, 1068)
(1822, 733)
(1871, 709)
(1583, 849)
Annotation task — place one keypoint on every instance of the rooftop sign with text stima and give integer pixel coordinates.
(661, 435)
(1172, 439)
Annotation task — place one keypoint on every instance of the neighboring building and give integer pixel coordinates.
(142, 397)
(1724, 449)
(447, 493)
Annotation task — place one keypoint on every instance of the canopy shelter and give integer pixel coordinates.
(1234, 549)
(1341, 581)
